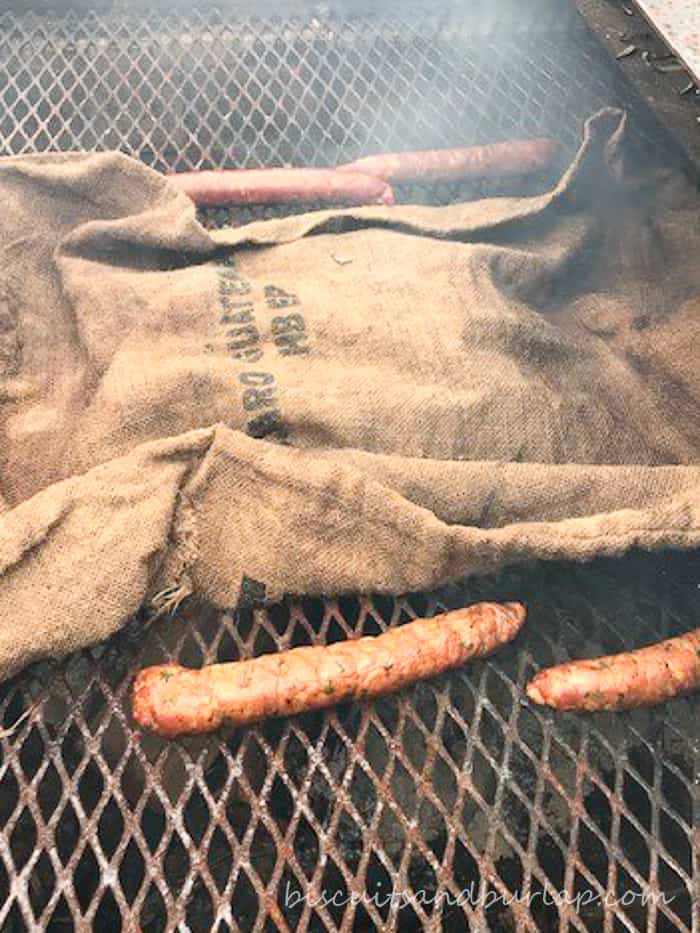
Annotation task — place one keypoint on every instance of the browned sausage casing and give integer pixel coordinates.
(281, 186)
(173, 700)
(494, 160)
(622, 681)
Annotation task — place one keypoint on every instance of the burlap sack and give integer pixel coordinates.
(369, 399)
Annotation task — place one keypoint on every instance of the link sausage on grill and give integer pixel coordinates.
(622, 681)
(173, 700)
(497, 159)
(211, 188)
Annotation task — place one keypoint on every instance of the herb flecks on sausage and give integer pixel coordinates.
(622, 681)
(173, 700)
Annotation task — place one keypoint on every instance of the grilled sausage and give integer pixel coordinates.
(622, 681)
(173, 700)
(495, 160)
(281, 186)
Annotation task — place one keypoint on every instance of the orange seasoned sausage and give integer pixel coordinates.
(281, 186)
(441, 165)
(622, 681)
(173, 700)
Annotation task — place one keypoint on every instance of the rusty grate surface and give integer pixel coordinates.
(475, 810)
(455, 789)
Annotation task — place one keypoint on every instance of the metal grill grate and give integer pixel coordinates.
(455, 787)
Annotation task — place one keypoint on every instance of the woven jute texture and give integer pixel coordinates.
(376, 399)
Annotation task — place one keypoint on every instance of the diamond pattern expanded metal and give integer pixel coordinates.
(475, 809)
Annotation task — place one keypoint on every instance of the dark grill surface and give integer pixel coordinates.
(475, 809)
